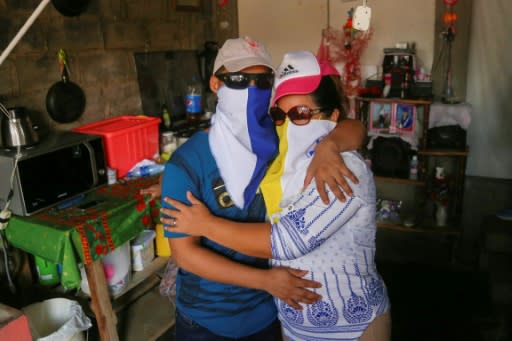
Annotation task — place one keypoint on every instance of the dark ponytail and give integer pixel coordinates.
(330, 95)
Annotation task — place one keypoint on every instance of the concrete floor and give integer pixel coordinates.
(432, 302)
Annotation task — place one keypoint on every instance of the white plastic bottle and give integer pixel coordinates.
(413, 170)
(194, 100)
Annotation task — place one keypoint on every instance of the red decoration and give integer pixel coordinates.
(346, 46)
(140, 206)
(146, 220)
(223, 3)
(449, 20)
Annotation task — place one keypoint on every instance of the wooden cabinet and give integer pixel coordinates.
(417, 208)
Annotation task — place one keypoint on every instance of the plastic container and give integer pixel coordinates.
(194, 100)
(47, 272)
(127, 140)
(117, 266)
(57, 319)
(162, 244)
(143, 250)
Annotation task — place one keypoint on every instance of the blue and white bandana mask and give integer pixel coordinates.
(243, 140)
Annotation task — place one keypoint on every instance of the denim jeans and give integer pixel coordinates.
(188, 330)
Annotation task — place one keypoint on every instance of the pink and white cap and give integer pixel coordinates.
(300, 73)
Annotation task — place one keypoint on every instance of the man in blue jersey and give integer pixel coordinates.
(222, 294)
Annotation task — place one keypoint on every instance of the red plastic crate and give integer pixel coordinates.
(127, 140)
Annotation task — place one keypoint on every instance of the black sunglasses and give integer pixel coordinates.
(241, 80)
(299, 115)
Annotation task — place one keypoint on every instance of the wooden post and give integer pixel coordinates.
(101, 304)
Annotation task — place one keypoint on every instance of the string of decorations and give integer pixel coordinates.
(346, 46)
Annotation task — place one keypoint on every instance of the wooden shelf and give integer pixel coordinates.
(418, 200)
(421, 228)
(443, 152)
(395, 100)
(140, 283)
(399, 181)
(140, 276)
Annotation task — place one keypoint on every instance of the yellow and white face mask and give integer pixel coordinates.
(285, 177)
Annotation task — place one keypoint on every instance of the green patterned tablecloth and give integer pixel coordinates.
(73, 235)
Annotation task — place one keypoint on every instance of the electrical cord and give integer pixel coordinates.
(5, 215)
(3, 241)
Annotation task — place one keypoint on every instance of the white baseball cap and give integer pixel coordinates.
(300, 73)
(240, 53)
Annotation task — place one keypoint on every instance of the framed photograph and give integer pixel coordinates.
(187, 5)
(381, 116)
(405, 118)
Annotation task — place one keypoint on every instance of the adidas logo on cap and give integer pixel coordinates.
(288, 70)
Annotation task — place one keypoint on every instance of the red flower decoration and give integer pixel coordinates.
(100, 249)
(140, 206)
(146, 220)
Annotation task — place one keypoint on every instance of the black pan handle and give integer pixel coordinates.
(63, 64)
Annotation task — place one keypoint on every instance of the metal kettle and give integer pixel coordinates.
(17, 129)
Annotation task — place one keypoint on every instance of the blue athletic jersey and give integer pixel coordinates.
(226, 310)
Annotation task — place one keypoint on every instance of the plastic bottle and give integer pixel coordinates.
(387, 85)
(193, 100)
(166, 117)
(47, 272)
(413, 170)
(146, 171)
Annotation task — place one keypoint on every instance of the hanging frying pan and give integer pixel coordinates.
(71, 8)
(65, 101)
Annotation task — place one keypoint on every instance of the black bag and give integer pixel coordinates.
(390, 157)
(447, 137)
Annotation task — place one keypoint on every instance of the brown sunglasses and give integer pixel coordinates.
(299, 115)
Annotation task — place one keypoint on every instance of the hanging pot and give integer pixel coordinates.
(71, 8)
(65, 101)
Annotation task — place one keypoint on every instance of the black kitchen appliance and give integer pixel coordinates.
(447, 137)
(398, 66)
(62, 166)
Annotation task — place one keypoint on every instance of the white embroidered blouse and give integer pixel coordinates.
(336, 244)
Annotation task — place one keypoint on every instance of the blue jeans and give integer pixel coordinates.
(188, 330)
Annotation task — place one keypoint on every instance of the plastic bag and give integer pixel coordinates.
(57, 319)
(168, 283)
